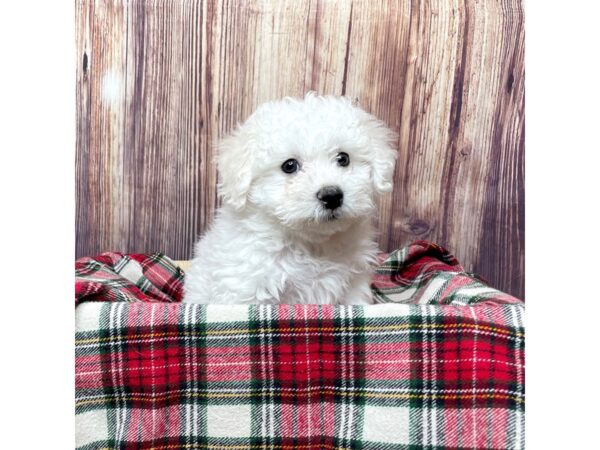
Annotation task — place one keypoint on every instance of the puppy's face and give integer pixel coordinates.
(312, 164)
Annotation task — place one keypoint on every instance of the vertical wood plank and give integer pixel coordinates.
(327, 43)
(169, 183)
(101, 117)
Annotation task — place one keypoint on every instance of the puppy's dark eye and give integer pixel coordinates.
(343, 159)
(290, 166)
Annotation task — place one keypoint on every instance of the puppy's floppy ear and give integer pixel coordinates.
(382, 142)
(234, 163)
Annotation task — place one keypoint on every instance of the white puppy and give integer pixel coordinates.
(298, 181)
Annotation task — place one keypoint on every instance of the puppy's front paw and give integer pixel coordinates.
(360, 292)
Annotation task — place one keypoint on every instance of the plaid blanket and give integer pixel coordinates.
(438, 364)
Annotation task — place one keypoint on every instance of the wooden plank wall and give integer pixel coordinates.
(158, 81)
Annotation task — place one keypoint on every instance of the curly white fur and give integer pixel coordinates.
(273, 240)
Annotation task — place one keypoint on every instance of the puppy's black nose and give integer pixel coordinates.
(331, 196)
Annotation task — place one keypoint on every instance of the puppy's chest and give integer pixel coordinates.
(312, 279)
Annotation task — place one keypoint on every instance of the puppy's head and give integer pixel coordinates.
(312, 163)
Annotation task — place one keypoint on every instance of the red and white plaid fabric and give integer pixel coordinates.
(445, 370)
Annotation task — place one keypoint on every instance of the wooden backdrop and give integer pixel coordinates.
(158, 81)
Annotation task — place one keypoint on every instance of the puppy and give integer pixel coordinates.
(298, 182)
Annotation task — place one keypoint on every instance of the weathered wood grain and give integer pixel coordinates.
(158, 82)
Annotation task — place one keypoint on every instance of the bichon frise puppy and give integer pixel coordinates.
(298, 181)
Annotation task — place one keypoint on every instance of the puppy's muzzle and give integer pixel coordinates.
(331, 197)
